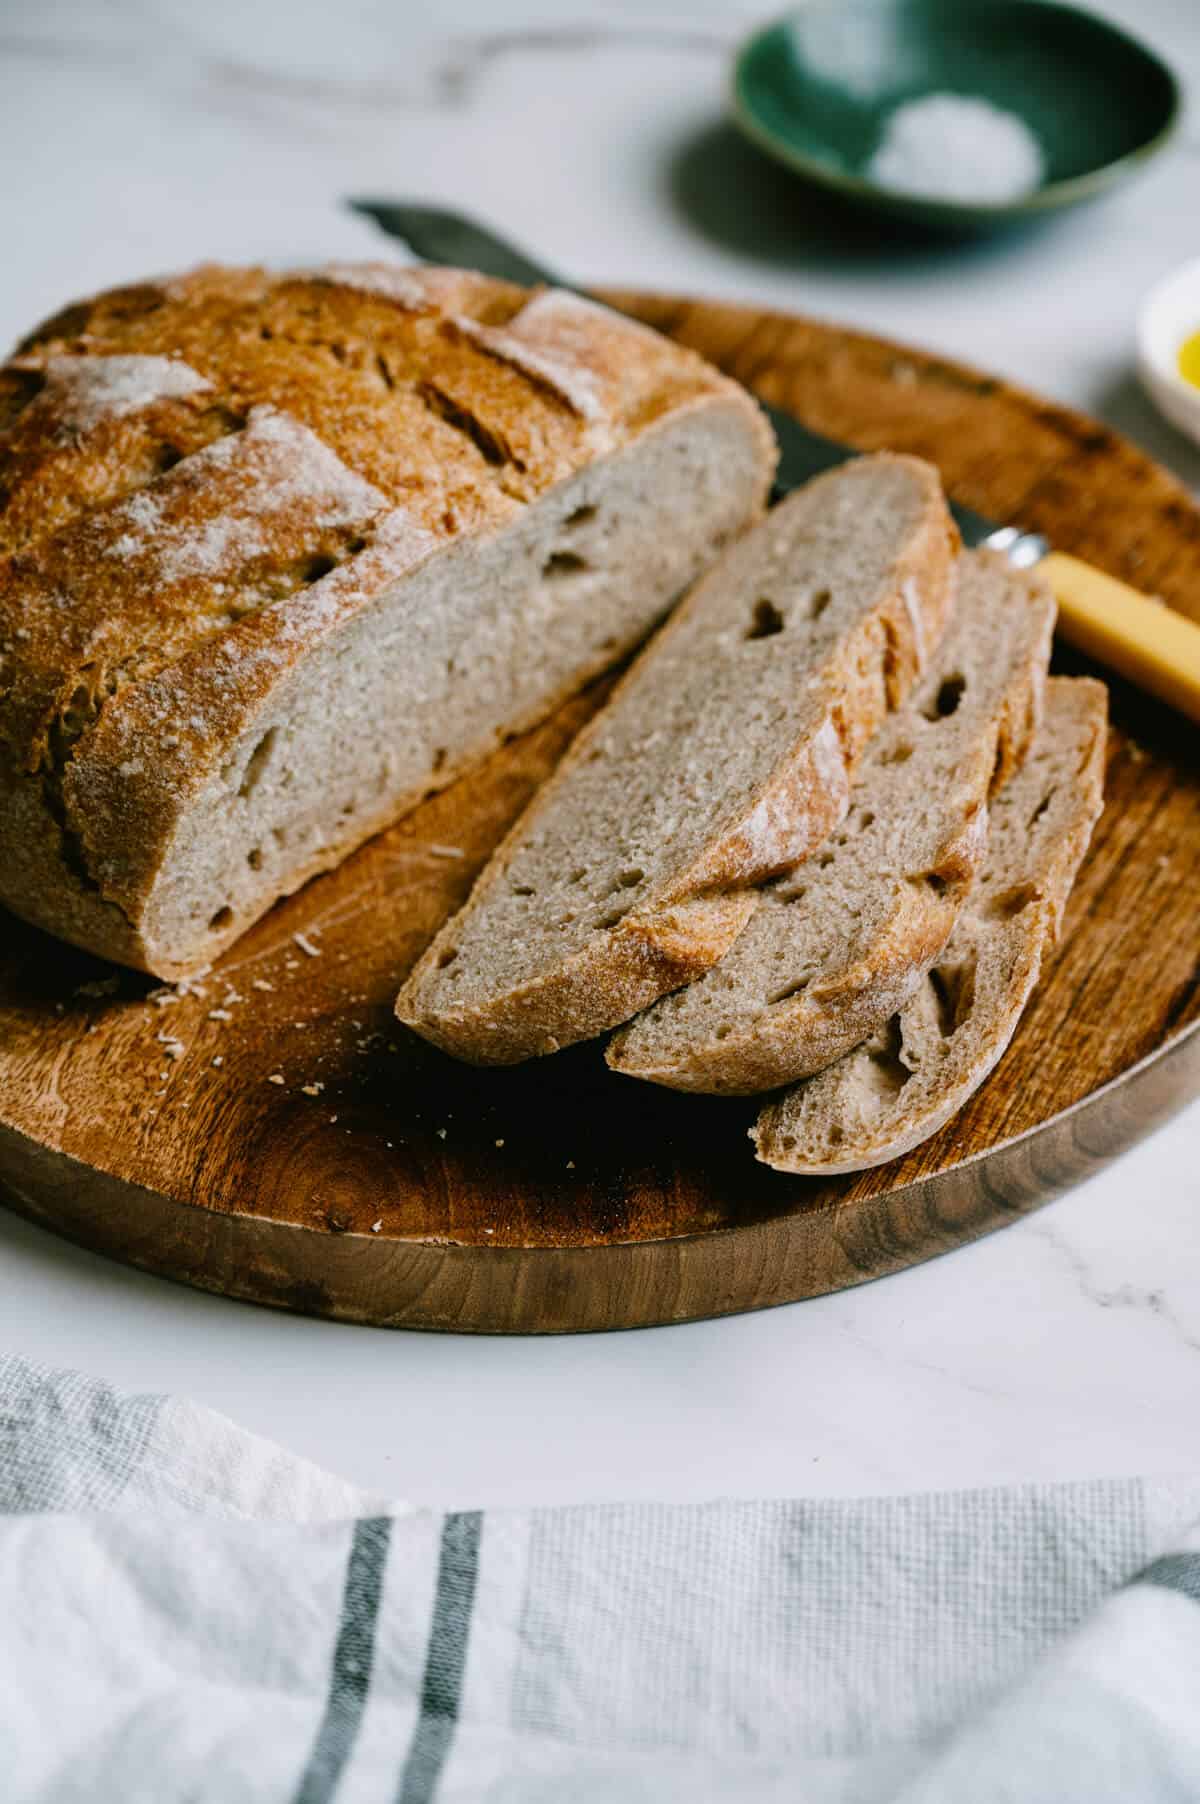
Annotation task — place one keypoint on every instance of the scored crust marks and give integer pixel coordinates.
(571, 346)
(276, 474)
(80, 392)
(205, 474)
(77, 432)
(421, 289)
(390, 367)
(409, 288)
(240, 524)
(590, 358)
(536, 344)
(220, 517)
(229, 568)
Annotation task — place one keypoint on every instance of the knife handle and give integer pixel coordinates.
(1137, 635)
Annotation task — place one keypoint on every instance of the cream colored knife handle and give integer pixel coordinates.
(1141, 638)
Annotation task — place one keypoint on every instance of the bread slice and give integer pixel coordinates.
(281, 554)
(836, 947)
(723, 758)
(900, 1087)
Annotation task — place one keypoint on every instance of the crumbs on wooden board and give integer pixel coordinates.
(168, 993)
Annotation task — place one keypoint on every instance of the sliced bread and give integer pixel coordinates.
(836, 947)
(281, 554)
(724, 757)
(901, 1086)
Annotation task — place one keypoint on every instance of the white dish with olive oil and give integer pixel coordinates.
(1169, 347)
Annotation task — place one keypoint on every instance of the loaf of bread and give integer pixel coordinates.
(723, 758)
(836, 947)
(903, 1084)
(279, 555)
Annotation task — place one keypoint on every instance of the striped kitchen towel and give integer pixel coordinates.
(189, 1614)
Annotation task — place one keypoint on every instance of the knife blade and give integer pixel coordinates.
(436, 235)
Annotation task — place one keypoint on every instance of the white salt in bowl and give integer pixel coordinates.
(1169, 315)
(958, 116)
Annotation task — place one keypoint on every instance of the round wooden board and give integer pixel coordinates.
(302, 1150)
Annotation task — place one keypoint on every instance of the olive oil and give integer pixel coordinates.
(1189, 359)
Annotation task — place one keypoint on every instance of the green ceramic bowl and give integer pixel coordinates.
(815, 89)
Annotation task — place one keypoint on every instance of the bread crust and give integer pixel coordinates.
(292, 445)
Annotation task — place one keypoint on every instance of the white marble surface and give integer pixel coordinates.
(141, 137)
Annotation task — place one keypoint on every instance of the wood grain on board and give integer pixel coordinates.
(280, 1137)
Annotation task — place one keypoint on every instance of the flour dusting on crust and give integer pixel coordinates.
(286, 469)
(549, 341)
(83, 391)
